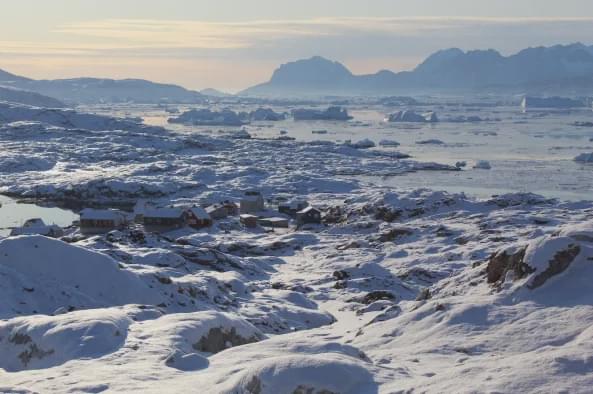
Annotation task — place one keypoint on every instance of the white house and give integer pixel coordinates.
(252, 202)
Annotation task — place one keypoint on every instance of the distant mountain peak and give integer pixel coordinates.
(559, 66)
(102, 90)
(6, 77)
(316, 69)
(214, 93)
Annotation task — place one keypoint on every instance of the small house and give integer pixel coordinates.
(231, 208)
(276, 222)
(309, 215)
(198, 217)
(248, 220)
(38, 227)
(291, 208)
(217, 211)
(222, 210)
(140, 209)
(100, 221)
(252, 202)
(164, 219)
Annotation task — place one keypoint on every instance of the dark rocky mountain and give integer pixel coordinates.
(560, 67)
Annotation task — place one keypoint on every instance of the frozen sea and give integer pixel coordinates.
(14, 214)
(529, 151)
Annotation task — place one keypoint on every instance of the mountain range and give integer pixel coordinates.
(103, 90)
(560, 68)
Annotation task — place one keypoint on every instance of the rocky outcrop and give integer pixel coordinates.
(219, 339)
(535, 263)
(502, 262)
(560, 262)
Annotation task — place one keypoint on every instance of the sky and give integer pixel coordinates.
(233, 44)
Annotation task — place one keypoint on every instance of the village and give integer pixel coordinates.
(251, 210)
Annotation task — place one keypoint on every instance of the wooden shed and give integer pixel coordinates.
(99, 221)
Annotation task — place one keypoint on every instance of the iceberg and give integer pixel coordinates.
(331, 113)
(206, 117)
(412, 117)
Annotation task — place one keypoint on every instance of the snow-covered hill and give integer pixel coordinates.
(18, 96)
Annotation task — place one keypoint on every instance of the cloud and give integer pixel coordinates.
(237, 54)
(187, 38)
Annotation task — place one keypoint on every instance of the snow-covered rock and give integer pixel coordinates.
(388, 143)
(482, 165)
(39, 341)
(362, 144)
(69, 119)
(304, 374)
(58, 275)
(546, 259)
(584, 158)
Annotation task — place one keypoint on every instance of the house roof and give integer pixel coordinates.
(200, 213)
(295, 204)
(275, 220)
(101, 214)
(308, 209)
(170, 213)
(214, 207)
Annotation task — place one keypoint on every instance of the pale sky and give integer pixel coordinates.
(234, 44)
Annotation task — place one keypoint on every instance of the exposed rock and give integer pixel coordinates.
(33, 352)
(219, 339)
(377, 295)
(387, 214)
(341, 275)
(561, 261)
(394, 233)
(507, 260)
(424, 295)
